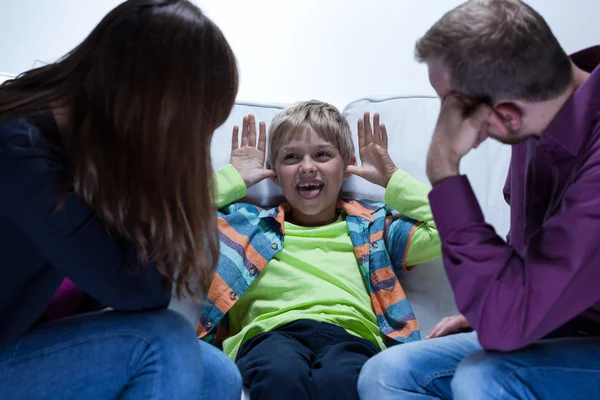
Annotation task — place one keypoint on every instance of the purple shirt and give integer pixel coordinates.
(548, 277)
(66, 301)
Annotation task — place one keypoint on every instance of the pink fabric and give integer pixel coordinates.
(66, 301)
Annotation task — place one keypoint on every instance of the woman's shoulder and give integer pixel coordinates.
(21, 134)
(22, 137)
(29, 159)
(17, 133)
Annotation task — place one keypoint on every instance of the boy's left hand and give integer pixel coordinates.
(376, 164)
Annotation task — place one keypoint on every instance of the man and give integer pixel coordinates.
(533, 300)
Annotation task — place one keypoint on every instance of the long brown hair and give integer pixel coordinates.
(144, 93)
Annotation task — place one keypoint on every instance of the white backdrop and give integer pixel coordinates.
(333, 50)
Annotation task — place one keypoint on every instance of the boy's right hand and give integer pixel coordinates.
(249, 157)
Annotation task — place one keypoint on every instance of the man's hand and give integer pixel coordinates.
(249, 158)
(376, 164)
(449, 326)
(462, 125)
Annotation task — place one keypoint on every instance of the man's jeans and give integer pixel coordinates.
(456, 367)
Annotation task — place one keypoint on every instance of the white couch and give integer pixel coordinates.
(410, 122)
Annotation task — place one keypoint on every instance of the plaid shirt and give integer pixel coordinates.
(250, 237)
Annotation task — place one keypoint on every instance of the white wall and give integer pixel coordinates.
(333, 50)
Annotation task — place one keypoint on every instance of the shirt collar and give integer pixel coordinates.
(570, 127)
(351, 207)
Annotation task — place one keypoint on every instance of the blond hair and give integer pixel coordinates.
(321, 117)
(497, 50)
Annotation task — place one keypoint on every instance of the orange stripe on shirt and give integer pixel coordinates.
(381, 275)
(387, 297)
(411, 326)
(219, 294)
(253, 256)
(200, 331)
(361, 251)
(377, 306)
(227, 297)
(376, 236)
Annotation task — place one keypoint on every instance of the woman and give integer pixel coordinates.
(105, 182)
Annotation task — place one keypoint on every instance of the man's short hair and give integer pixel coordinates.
(497, 50)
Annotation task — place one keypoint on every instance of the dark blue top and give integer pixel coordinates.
(39, 246)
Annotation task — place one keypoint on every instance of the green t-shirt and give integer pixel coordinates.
(315, 276)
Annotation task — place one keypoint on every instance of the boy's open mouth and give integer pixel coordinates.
(310, 189)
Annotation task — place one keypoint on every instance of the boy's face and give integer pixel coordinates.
(310, 172)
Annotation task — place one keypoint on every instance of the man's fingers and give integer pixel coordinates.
(436, 328)
(496, 120)
(479, 116)
(432, 334)
(483, 135)
(443, 332)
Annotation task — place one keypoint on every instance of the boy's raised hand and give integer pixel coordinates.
(376, 164)
(249, 157)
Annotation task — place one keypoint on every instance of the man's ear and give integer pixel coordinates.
(510, 116)
(351, 162)
(275, 178)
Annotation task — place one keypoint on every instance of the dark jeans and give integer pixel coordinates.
(304, 360)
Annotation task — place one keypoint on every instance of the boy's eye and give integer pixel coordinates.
(323, 154)
(290, 157)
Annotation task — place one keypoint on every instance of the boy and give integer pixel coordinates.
(309, 287)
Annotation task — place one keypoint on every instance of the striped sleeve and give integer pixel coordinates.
(230, 186)
(415, 227)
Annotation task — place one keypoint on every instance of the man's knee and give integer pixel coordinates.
(481, 375)
(391, 369)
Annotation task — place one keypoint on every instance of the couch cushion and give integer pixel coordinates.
(410, 122)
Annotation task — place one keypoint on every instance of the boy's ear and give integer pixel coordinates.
(351, 162)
